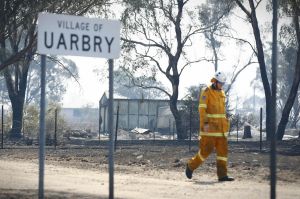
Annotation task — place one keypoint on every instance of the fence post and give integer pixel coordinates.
(104, 120)
(260, 130)
(157, 107)
(170, 127)
(117, 125)
(237, 129)
(23, 127)
(55, 128)
(2, 126)
(139, 106)
(191, 108)
(100, 119)
(173, 130)
(128, 119)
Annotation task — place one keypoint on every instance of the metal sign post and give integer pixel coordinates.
(273, 106)
(110, 129)
(42, 128)
(80, 36)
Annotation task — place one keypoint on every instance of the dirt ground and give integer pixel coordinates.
(148, 169)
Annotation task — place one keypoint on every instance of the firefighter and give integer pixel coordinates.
(214, 127)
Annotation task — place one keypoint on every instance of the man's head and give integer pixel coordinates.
(219, 79)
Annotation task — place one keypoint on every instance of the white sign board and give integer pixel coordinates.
(80, 36)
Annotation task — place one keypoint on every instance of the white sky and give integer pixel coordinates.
(92, 89)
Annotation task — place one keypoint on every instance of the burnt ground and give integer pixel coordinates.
(246, 160)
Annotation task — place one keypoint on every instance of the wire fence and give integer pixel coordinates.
(134, 120)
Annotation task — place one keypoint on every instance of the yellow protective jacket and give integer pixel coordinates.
(213, 112)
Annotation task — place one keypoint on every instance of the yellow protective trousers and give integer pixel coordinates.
(207, 144)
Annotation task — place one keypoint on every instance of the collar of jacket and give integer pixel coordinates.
(214, 87)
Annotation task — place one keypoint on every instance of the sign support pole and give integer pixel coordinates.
(81, 42)
(273, 158)
(42, 129)
(110, 129)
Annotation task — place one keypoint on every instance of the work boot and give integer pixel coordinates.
(226, 178)
(188, 172)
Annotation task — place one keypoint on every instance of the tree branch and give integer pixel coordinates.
(192, 62)
(143, 44)
(239, 39)
(203, 29)
(157, 29)
(258, 3)
(234, 76)
(63, 66)
(243, 8)
(19, 55)
(155, 87)
(296, 20)
(156, 62)
(134, 84)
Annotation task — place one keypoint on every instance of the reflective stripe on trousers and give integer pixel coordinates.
(200, 156)
(222, 158)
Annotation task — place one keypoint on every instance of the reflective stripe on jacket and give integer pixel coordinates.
(213, 112)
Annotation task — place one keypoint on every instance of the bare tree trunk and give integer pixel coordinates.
(16, 93)
(261, 60)
(293, 92)
(263, 71)
(17, 109)
(181, 134)
(296, 111)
